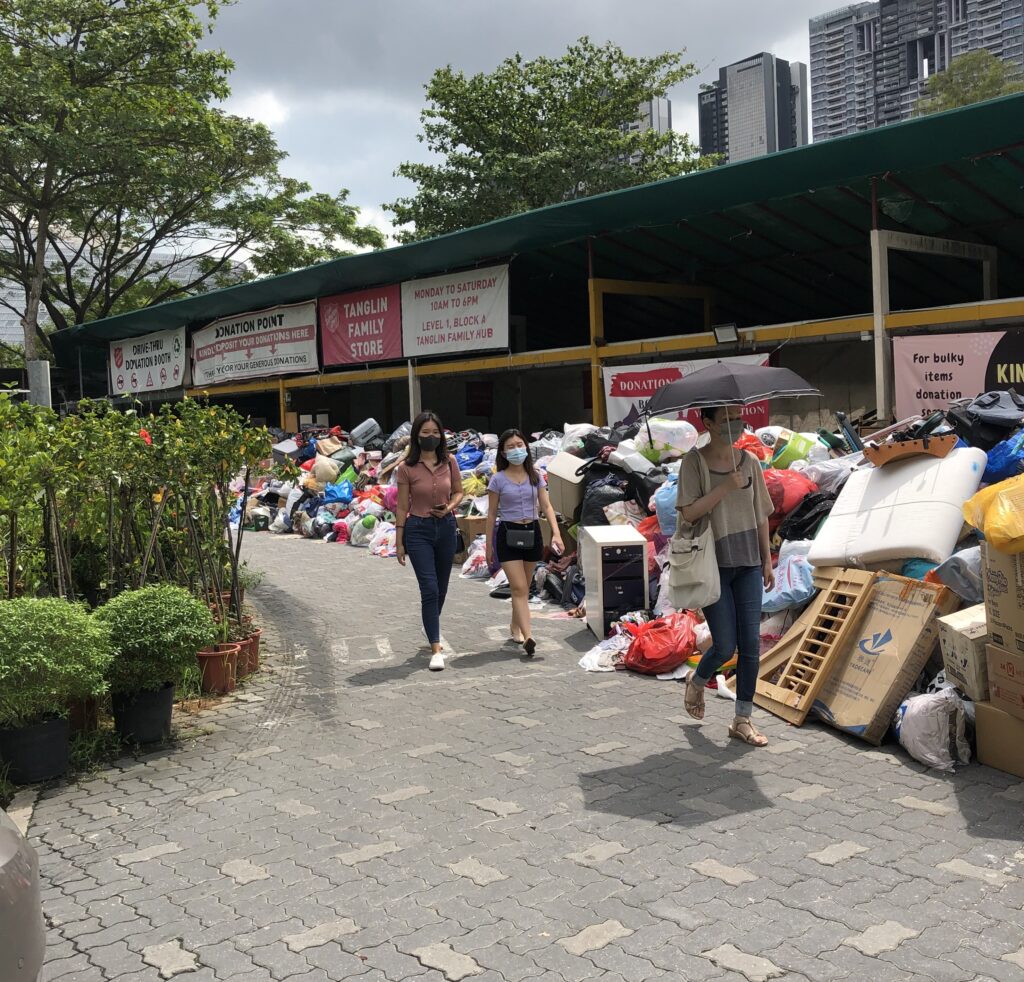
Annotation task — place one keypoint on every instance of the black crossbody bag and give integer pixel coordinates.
(520, 538)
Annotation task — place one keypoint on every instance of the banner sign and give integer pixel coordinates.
(933, 370)
(461, 313)
(356, 328)
(628, 388)
(148, 363)
(275, 341)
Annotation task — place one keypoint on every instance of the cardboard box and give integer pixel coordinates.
(1000, 739)
(1006, 680)
(873, 673)
(470, 527)
(1003, 577)
(962, 637)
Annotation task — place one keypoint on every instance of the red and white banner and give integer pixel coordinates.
(360, 327)
(275, 341)
(148, 363)
(628, 388)
(458, 314)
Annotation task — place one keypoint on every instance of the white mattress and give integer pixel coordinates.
(906, 510)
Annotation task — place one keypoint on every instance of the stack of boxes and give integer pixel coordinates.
(983, 652)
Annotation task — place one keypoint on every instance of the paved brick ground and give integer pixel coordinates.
(354, 816)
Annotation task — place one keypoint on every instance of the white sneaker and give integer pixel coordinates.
(437, 662)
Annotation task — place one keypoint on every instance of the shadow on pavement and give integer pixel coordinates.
(688, 785)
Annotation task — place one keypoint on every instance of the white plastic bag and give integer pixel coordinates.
(475, 566)
(932, 729)
(794, 579)
(665, 439)
(575, 434)
(360, 536)
(829, 475)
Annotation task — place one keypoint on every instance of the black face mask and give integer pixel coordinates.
(429, 443)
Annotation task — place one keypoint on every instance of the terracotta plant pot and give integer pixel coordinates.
(218, 665)
(251, 653)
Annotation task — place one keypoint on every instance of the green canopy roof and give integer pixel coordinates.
(782, 237)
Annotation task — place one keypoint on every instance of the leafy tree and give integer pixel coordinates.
(534, 133)
(974, 77)
(121, 182)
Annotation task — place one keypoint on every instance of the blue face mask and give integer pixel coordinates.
(517, 455)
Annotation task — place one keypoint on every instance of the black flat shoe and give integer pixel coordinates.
(529, 647)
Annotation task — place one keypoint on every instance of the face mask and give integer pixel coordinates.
(517, 456)
(429, 443)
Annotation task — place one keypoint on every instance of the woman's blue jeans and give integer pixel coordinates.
(735, 622)
(430, 545)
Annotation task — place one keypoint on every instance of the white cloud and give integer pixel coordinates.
(262, 105)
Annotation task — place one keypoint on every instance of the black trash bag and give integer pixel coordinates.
(594, 501)
(804, 521)
(989, 419)
(643, 486)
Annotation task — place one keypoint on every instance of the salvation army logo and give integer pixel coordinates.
(332, 321)
(119, 357)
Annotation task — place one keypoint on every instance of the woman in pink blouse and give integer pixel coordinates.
(429, 490)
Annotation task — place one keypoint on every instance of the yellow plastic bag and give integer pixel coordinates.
(998, 513)
(474, 487)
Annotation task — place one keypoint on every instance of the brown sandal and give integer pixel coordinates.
(743, 729)
(693, 700)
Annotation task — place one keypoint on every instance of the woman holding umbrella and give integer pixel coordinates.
(726, 486)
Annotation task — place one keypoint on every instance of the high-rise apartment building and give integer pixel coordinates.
(870, 61)
(757, 106)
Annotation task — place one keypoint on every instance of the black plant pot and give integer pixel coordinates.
(144, 717)
(35, 753)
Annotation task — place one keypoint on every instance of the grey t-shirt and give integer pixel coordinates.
(734, 520)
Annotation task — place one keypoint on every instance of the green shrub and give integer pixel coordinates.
(156, 631)
(51, 651)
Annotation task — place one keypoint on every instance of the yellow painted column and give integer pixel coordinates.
(281, 403)
(596, 296)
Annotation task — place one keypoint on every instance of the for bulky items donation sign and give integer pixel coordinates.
(933, 370)
(457, 314)
(359, 327)
(275, 341)
(148, 363)
(628, 388)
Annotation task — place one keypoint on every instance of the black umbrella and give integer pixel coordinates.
(728, 384)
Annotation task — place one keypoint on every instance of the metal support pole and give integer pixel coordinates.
(415, 397)
(880, 305)
(596, 304)
(282, 403)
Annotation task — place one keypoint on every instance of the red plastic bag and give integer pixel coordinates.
(786, 489)
(662, 646)
(750, 442)
(651, 531)
(307, 465)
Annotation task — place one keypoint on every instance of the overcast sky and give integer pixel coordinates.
(340, 82)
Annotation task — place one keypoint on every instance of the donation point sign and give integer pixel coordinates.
(364, 326)
(148, 363)
(275, 341)
(461, 313)
(628, 388)
(933, 370)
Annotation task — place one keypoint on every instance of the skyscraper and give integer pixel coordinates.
(870, 61)
(757, 106)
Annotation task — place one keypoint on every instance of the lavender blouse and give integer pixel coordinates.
(516, 502)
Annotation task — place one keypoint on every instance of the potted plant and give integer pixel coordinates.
(248, 579)
(51, 652)
(157, 632)
(247, 636)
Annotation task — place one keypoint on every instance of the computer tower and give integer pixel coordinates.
(614, 564)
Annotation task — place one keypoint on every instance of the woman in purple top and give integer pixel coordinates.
(518, 497)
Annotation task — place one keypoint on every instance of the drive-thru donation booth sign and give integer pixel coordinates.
(148, 363)
(461, 313)
(275, 341)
